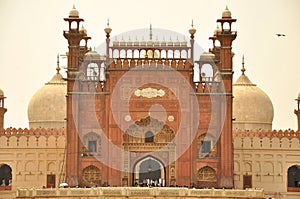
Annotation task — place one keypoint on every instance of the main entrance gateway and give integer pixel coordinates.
(149, 154)
(149, 171)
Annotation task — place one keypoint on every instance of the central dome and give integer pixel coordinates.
(252, 107)
(47, 107)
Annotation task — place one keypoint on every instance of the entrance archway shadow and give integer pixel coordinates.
(149, 171)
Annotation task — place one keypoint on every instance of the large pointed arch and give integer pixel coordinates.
(149, 170)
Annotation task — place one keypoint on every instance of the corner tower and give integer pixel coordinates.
(75, 55)
(226, 37)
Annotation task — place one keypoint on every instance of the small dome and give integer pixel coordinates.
(74, 13)
(177, 42)
(116, 42)
(207, 56)
(47, 107)
(122, 42)
(170, 42)
(163, 43)
(299, 96)
(1, 93)
(217, 31)
(156, 43)
(252, 107)
(83, 30)
(226, 13)
(92, 56)
(143, 42)
(129, 42)
(184, 42)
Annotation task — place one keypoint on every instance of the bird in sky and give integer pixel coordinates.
(280, 35)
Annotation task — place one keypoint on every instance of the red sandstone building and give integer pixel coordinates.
(136, 116)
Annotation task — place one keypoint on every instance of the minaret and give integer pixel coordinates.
(2, 109)
(297, 111)
(226, 37)
(74, 36)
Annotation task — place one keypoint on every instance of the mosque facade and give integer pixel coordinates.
(137, 116)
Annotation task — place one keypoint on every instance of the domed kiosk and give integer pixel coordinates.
(252, 107)
(47, 107)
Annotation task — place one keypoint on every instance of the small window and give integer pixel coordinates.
(206, 146)
(149, 137)
(92, 146)
(247, 181)
(50, 181)
(92, 71)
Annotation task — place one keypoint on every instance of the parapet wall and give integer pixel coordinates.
(31, 138)
(139, 192)
(257, 139)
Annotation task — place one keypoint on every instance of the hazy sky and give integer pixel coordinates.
(32, 34)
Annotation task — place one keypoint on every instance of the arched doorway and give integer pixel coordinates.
(294, 176)
(5, 175)
(149, 171)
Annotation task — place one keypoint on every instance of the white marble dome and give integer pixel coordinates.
(252, 107)
(74, 13)
(47, 107)
(226, 13)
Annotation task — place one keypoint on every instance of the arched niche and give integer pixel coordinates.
(293, 175)
(206, 178)
(91, 176)
(5, 175)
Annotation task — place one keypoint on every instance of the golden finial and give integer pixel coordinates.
(74, 6)
(57, 67)
(150, 31)
(107, 30)
(243, 66)
(192, 31)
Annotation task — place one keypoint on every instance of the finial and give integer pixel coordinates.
(107, 30)
(74, 6)
(243, 66)
(150, 31)
(192, 31)
(57, 67)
